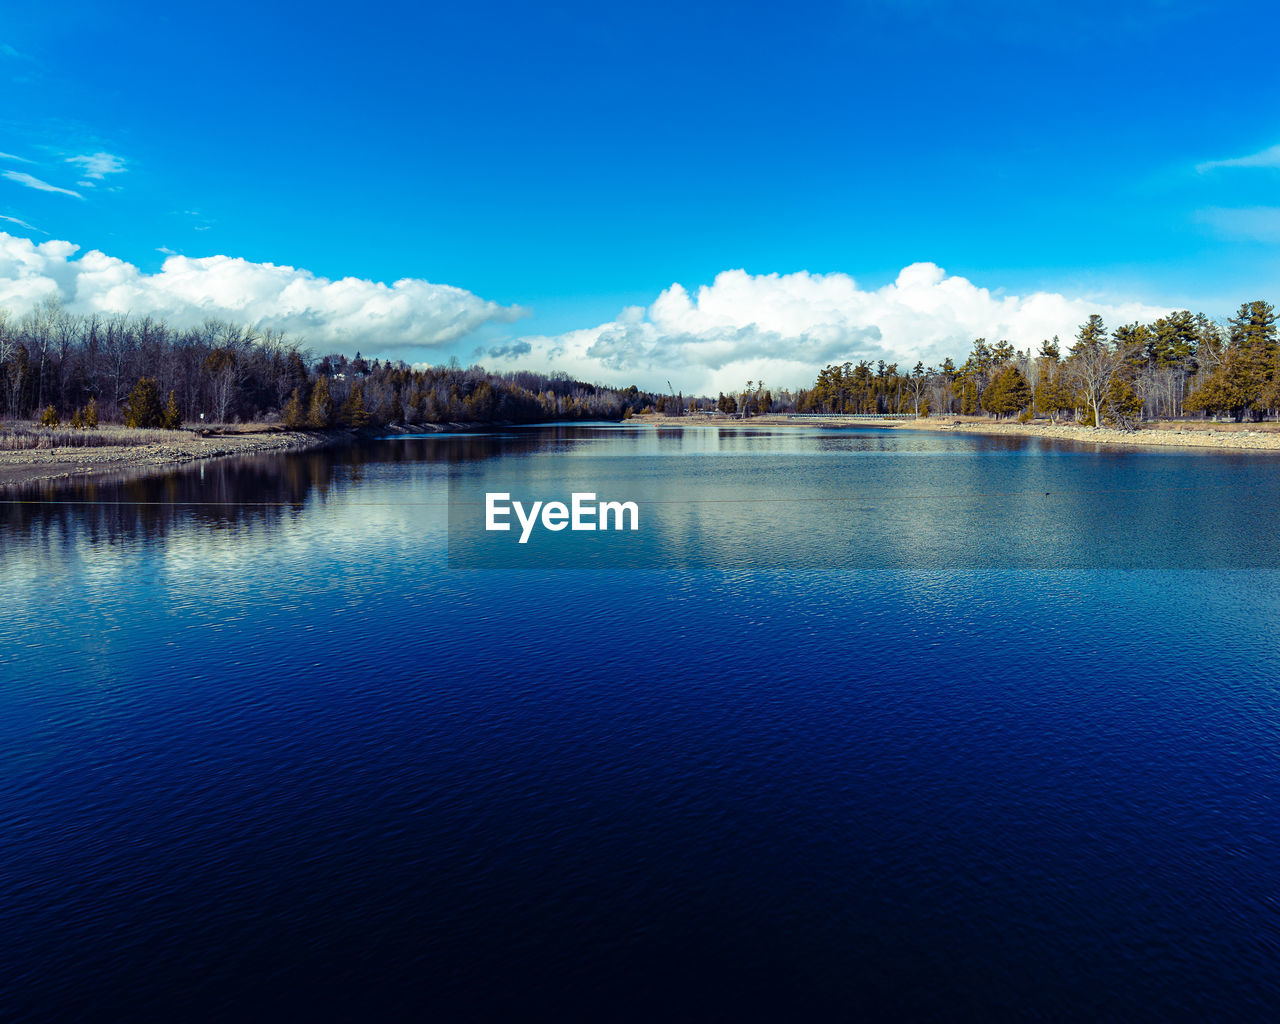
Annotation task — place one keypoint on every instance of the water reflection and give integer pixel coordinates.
(714, 497)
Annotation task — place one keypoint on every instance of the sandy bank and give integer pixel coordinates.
(1238, 436)
(39, 465)
(1199, 434)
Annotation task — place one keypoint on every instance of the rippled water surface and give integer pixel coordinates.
(859, 723)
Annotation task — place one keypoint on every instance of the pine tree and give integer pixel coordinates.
(91, 414)
(353, 412)
(1008, 393)
(172, 414)
(1232, 387)
(320, 414)
(142, 407)
(292, 413)
(1054, 396)
(1123, 406)
(1253, 337)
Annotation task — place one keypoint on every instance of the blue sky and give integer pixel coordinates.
(574, 159)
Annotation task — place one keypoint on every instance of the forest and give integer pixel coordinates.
(64, 368)
(1179, 365)
(60, 367)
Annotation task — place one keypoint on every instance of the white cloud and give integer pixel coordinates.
(31, 181)
(1269, 157)
(1248, 223)
(21, 223)
(97, 166)
(11, 156)
(784, 328)
(345, 314)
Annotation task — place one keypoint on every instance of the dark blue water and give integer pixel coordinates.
(822, 748)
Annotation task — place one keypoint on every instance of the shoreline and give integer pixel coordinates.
(136, 456)
(1197, 434)
(24, 467)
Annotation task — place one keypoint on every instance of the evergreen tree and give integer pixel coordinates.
(353, 413)
(1008, 393)
(142, 407)
(91, 414)
(1253, 336)
(1054, 395)
(1093, 333)
(292, 414)
(320, 414)
(172, 414)
(1230, 388)
(1123, 406)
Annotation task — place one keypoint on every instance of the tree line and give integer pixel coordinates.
(60, 367)
(1177, 365)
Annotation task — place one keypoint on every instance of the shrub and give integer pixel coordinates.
(49, 418)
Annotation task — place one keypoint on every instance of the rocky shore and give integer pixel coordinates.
(41, 465)
(1238, 436)
(1181, 434)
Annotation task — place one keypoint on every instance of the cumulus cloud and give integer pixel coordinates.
(345, 314)
(31, 181)
(783, 328)
(1269, 157)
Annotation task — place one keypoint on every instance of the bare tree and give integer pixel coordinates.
(1093, 363)
(918, 383)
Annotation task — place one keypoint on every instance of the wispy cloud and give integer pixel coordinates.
(21, 223)
(19, 159)
(31, 181)
(204, 222)
(1244, 223)
(96, 166)
(1269, 157)
(8, 51)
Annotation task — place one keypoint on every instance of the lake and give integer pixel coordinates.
(856, 723)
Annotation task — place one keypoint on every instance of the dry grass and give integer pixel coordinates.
(26, 436)
(224, 429)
